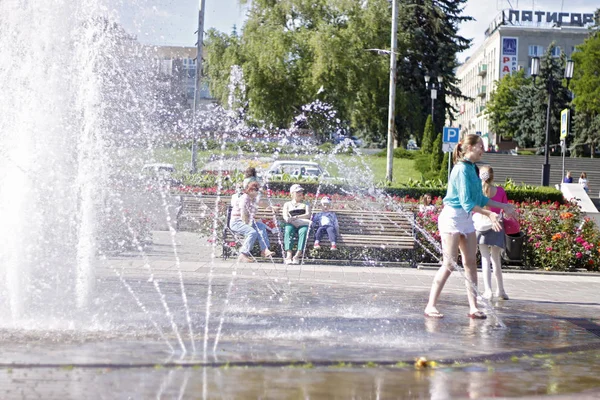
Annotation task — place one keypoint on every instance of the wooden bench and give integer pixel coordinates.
(197, 210)
(383, 230)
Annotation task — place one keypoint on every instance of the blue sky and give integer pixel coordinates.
(173, 22)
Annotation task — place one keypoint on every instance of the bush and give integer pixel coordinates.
(560, 238)
(423, 162)
(541, 193)
(326, 148)
(400, 152)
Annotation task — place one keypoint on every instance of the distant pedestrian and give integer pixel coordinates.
(583, 181)
(568, 178)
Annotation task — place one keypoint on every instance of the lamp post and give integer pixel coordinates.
(535, 71)
(392, 95)
(198, 83)
(429, 84)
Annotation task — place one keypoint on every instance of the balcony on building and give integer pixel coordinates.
(481, 90)
(482, 70)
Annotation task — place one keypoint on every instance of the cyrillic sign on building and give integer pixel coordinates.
(510, 52)
(538, 18)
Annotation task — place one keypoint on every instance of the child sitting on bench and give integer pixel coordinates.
(326, 221)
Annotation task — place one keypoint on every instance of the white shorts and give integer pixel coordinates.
(455, 220)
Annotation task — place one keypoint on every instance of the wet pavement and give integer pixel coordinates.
(311, 331)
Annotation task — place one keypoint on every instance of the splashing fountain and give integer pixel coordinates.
(76, 127)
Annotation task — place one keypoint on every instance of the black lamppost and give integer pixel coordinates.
(535, 71)
(434, 88)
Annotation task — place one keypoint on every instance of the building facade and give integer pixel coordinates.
(512, 39)
(180, 63)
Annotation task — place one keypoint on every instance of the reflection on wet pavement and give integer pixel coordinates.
(345, 341)
(524, 376)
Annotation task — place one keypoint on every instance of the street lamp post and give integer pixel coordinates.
(392, 95)
(563, 143)
(535, 71)
(429, 84)
(197, 85)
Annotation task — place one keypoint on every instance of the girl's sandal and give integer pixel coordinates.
(477, 315)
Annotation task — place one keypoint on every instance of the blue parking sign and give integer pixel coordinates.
(451, 135)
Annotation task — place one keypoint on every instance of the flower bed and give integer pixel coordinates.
(559, 237)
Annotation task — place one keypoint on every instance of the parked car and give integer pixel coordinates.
(340, 138)
(160, 172)
(357, 142)
(296, 168)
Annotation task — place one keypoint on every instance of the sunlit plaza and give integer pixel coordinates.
(120, 274)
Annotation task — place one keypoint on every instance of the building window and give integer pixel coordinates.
(556, 51)
(536, 51)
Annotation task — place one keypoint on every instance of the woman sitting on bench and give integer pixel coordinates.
(242, 222)
(296, 214)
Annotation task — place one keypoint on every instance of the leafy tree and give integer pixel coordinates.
(431, 31)
(437, 155)
(528, 116)
(444, 168)
(296, 51)
(587, 132)
(529, 112)
(502, 100)
(423, 159)
(586, 87)
(221, 52)
(426, 143)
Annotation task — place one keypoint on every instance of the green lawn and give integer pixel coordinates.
(340, 165)
(403, 169)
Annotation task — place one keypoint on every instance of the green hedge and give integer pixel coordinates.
(537, 194)
(542, 194)
(400, 152)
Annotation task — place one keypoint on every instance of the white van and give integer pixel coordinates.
(296, 168)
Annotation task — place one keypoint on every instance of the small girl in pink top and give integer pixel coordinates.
(491, 243)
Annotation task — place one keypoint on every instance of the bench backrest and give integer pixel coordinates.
(358, 222)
